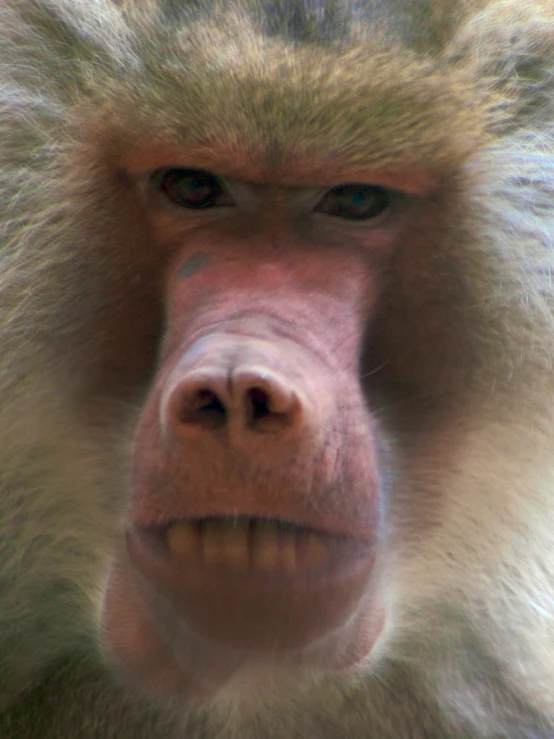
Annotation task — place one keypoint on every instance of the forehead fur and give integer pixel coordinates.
(223, 72)
(339, 78)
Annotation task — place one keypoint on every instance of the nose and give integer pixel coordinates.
(246, 400)
(243, 387)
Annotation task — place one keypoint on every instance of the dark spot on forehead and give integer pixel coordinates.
(325, 22)
(194, 264)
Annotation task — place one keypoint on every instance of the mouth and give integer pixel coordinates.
(257, 546)
(244, 580)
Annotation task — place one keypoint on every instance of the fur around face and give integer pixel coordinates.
(463, 88)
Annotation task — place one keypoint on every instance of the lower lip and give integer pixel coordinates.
(255, 609)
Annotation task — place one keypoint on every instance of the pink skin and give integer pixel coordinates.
(283, 335)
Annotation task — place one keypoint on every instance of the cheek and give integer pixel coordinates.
(110, 310)
(421, 341)
(421, 336)
(114, 354)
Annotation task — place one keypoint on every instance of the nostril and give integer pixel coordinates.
(269, 409)
(257, 404)
(203, 407)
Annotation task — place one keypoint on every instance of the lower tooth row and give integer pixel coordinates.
(238, 548)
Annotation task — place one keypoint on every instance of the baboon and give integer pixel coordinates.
(276, 386)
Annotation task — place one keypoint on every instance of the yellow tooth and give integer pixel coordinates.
(235, 550)
(287, 546)
(265, 547)
(212, 536)
(183, 540)
(314, 550)
(234, 546)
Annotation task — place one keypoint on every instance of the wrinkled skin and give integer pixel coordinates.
(276, 418)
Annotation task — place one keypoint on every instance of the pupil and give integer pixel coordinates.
(359, 201)
(198, 188)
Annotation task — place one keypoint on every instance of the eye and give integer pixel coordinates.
(354, 202)
(192, 188)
